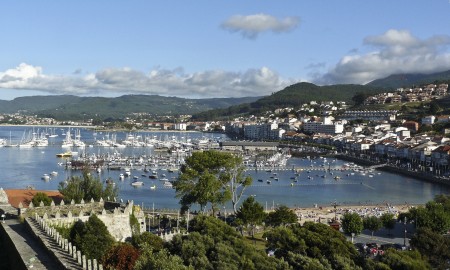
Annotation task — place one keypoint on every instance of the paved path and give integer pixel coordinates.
(30, 249)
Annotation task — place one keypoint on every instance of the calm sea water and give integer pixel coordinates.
(21, 167)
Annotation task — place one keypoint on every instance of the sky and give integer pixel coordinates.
(207, 48)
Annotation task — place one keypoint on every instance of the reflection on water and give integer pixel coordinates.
(21, 167)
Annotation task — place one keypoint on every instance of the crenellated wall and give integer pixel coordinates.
(115, 216)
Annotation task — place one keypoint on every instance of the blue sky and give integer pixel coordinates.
(200, 49)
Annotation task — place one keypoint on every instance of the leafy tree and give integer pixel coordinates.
(147, 240)
(404, 260)
(312, 241)
(41, 197)
(212, 244)
(372, 224)
(388, 221)
(281, 216)
(251, 213)
(359, 98)
(86, 187)
(122, 256)
(92, 237)
(211, 177)
(434, 246)
(352, 223)
(160, 260)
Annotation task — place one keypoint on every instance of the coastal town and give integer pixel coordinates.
(417, 146)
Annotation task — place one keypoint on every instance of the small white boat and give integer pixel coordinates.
(121, 176)
(137, 183)
(167, 184)
(45, 177)
(153, 187)
(54, 173)
(135, 177)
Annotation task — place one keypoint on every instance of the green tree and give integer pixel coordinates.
(251, 213)
(372, 224)
(92, 238)
(211, 177)
(434, 246)
(326, 246)
(147, 240)
(359, 98)
(404, 260)
(281, 216)
(160, 260)
(86, 187)
(388, 221)
(352, 223)
(41, 197)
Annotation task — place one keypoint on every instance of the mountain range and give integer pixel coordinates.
(68, 107)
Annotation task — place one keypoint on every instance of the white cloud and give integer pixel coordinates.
(251, 26)
(395, 51)
(117, 81)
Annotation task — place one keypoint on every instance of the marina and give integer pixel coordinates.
(295, 182)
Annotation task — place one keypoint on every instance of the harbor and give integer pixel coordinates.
(299, 182)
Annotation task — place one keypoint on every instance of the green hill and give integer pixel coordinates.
(292, 96)
(409, 80)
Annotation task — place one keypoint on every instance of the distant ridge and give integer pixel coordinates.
(410, 79)
(67, 107)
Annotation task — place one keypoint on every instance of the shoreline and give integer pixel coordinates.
(327, 214)
(389, 168)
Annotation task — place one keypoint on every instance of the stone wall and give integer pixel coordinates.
(116, 219)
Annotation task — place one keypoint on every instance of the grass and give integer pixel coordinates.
(259, 242)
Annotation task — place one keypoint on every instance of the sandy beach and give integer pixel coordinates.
(326, 214)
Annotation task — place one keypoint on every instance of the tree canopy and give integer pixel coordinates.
(352, 223)
(86, 187)
(281, 216)
(211, 177)
(251, 213)
(41, 197)
(372, 224)
(92, 237)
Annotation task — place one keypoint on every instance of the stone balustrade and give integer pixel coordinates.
(66, 246)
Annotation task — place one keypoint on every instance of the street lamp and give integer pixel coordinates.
(335, 210)
(404, 237)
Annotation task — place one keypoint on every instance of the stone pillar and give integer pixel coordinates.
(66, 245)
(79, 257)
(94, 264)
(74, 252)
(100, 267)
(83, 262)
(70, 248)
(89, 264)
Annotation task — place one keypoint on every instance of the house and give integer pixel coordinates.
(441, 155)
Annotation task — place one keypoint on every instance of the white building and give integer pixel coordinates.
(180, 126)
(319, 127)
(263, 131)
